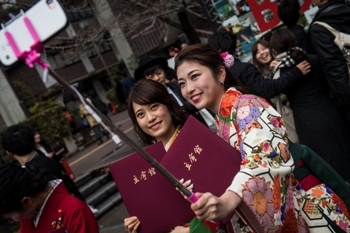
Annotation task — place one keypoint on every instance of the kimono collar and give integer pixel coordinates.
(172, 139)
(53, 184)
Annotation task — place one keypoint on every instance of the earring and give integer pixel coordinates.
(222, 82)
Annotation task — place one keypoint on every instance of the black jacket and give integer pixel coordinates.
(301, 36)
(56, 169)
(332, 61)
(318, 123)
(250, 76)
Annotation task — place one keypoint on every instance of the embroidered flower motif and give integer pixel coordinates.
(258, 196)
(278, 124)
(251, 100)
(324, 203)
(299, 192)
(273, 154)
(244, 161)
(266, 147)
(333, 216)
(317, 192)
(285, 154)
(59, 223)
(277, 217)
(246, 114)
(227, 101)
(243, 112)
(276, 191)
(343, 225)
(340, 204)
(224, 131)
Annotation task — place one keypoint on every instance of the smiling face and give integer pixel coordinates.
(263, 55)
(155, 120)
(199, 86)
(158, 75)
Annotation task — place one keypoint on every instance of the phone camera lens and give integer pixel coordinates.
(50, 3)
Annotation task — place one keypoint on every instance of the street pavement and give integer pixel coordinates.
(99, 156)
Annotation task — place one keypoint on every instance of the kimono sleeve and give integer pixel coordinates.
(258, 132)
(79, 218)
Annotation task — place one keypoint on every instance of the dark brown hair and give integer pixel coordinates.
(147, 92)
(264, 43)
(208, 56)
(282, 41)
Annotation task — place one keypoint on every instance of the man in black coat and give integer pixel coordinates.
(336, 13)
(247, 73)
(19, 143)
(127, 82)
(289, 11)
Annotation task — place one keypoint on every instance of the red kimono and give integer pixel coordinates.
(62, 210)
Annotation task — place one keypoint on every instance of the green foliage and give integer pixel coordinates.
(115, 74)
(24, 94)
(43, 105)
(50, 123)
(133, 62)
(111, 95)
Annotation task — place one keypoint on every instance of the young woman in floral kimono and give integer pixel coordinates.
(265, 192)
(156, 118)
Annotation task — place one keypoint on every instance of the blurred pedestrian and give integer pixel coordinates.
(93, 124)
(308, 97)
(289, 11)
(128, 83)
(19, 143)
(247, 73)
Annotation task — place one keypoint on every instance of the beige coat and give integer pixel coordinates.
(89, 118)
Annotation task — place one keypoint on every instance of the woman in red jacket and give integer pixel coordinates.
(41, 204)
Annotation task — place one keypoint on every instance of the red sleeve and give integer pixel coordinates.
(78, 218)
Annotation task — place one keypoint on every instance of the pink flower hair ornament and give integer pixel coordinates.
(228, 59)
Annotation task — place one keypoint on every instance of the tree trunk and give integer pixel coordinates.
(187, 28)
(70, 144)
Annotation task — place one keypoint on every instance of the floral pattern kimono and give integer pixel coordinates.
(265, 182)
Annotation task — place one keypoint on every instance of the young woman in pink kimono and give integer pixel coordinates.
(275, 200)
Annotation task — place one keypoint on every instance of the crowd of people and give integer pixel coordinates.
(287, 113)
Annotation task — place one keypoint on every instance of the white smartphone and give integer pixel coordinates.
(47, 17)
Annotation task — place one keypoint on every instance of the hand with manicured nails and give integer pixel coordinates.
(212, 208)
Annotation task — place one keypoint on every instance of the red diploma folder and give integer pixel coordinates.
(148, 195)
(201, 156)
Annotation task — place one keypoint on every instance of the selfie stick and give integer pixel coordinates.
(33, 56)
